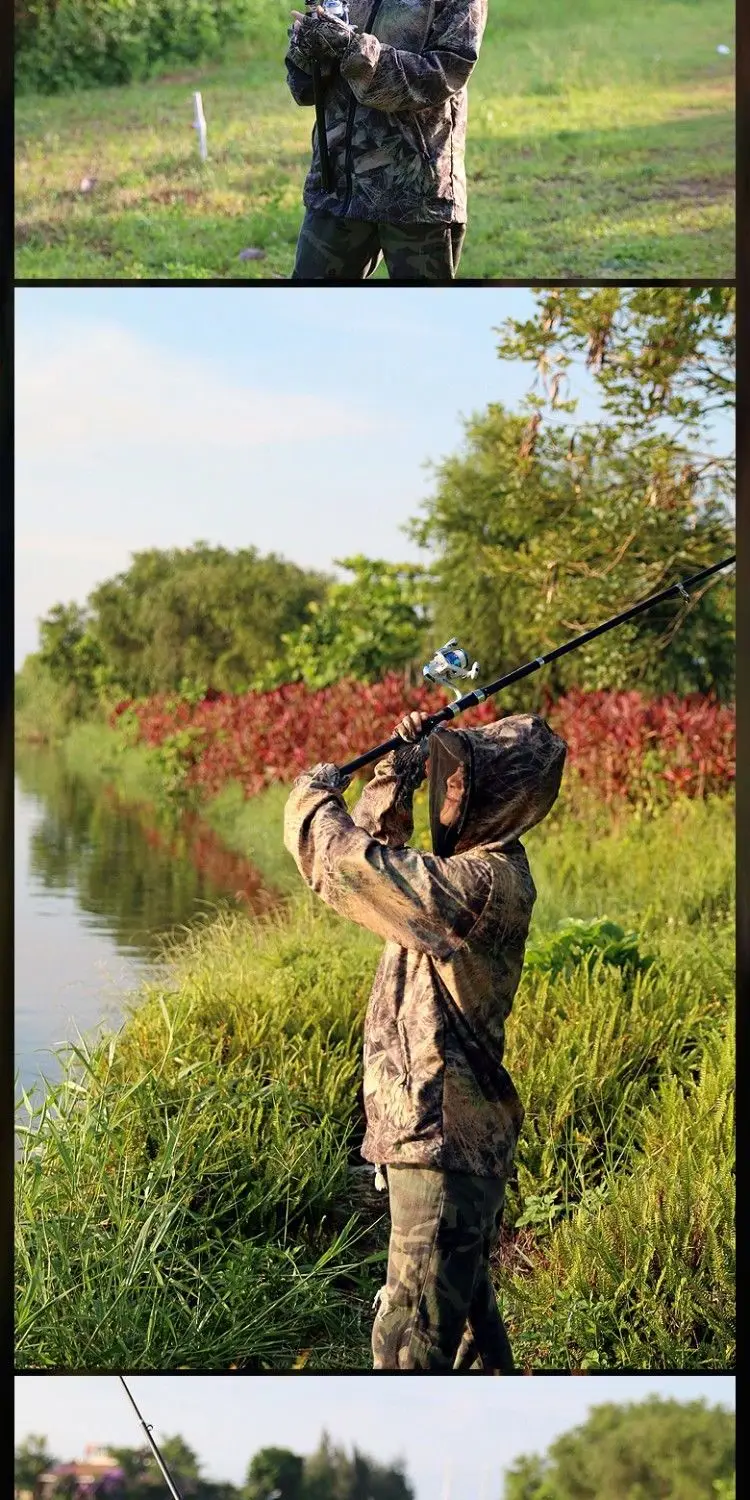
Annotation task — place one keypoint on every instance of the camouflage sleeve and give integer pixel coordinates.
(389, 79)
(416, 900)
(385, 809)
(300, 83)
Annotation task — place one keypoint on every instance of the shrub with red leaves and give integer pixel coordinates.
(635, 749)
(621, 745)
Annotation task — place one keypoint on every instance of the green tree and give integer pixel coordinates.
(60, 635)
(526, 1480)
(363, 628)
(32, 1458)
(380, 1481)
(645, 1451)
(542, 526)
(327, 1473)
(274, 1471)
(144, 1481)
(43, 706)
(135, 1463)
(201, 615)
(182, 1461)
(330, 1474)
(70, 653)
(656, 352)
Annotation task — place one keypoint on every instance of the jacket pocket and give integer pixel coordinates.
(416, 157)
(421, 141)
(430, 142)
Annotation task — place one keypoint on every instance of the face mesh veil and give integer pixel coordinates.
(513, 770)
(448, 751)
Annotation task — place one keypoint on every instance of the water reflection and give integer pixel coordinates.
(98, 886)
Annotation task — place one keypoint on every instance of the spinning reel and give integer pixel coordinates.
(450, 662)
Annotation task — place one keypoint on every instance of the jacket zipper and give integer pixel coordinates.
(350, 122)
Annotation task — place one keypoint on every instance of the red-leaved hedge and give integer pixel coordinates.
(621, 745)
(624, 745)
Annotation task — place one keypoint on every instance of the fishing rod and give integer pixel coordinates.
(340, 11)
(152, 1444)
(451, 662)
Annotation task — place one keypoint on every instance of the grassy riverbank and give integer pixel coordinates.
(192, 1198)
(601, 143)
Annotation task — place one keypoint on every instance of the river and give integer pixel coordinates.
(98, 886)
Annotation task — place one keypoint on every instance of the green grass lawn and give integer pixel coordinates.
(600, 144)
(192, 1195)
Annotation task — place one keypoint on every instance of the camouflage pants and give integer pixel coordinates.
(438, 1309)
(332, 249)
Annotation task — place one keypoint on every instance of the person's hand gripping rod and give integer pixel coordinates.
(334, 10)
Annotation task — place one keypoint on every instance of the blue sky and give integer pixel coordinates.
(294, 420)
(475, 1427)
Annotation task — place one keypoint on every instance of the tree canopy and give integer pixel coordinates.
(365, 627)
(546, 524)
(32, 1458)
(332, 1474)
(200, 615)
(650, 1450)
(274, 1471)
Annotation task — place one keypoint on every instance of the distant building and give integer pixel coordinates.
(96, 1474)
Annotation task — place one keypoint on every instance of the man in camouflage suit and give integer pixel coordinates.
(443, 1117)
(396, 108)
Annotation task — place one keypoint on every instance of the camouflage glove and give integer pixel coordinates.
(322, 38)
(327, 775)
(301, 60)
(409, 761)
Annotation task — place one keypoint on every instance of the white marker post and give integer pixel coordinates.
(199, 124)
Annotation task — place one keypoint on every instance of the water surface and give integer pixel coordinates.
(98, 885)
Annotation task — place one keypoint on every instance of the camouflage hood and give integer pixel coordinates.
(512, 773)
(396, 110)
(455, 923)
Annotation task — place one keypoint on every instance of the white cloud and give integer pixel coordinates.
(83, 388)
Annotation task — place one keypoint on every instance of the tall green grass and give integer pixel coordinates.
(641, 1273)
(179, 1201)
(189, 1195)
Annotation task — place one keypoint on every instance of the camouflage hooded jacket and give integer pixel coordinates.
(396, 110)
(455, 921)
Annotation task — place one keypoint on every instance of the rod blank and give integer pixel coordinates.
(152, 1444)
